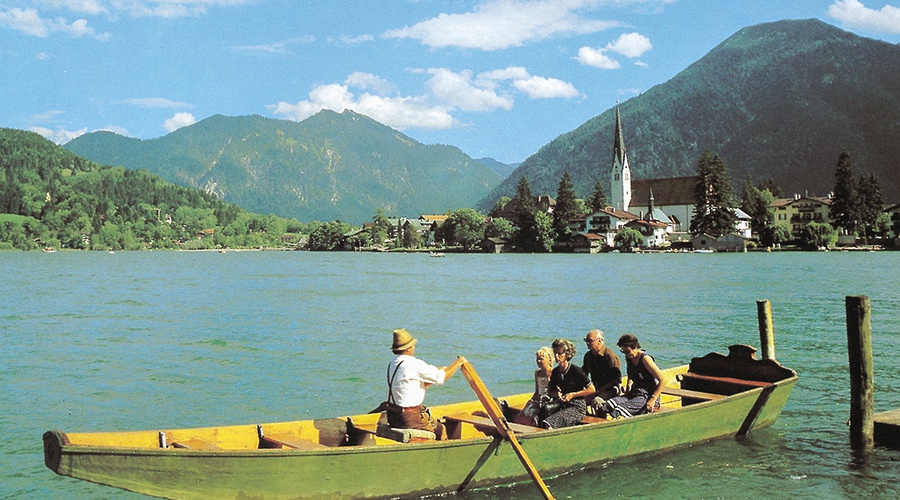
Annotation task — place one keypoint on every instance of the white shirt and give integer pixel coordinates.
(409, 382)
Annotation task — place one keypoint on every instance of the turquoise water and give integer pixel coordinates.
(148, 340)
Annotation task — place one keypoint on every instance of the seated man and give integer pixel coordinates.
(604, 368)
(408, 377)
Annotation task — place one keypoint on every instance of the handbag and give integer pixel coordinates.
(548, 407)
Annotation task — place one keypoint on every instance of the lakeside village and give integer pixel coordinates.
(684, 214)
(650, 215)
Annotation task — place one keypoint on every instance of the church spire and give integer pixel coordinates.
(619, 144)
(620, 174)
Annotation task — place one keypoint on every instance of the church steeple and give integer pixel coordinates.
(620, 175)
(619, 144)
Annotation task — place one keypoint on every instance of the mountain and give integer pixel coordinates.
(51, 197)
(329, 166)
(778, 100)
(502, 169)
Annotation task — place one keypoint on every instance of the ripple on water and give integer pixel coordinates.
(147, 340)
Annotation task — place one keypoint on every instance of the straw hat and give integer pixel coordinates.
(402, 340)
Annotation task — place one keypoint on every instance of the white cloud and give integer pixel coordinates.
(596, 58)
(155, 102)
(405, 112)
(489, 79)
(397, 112)
(448, 91)
(30, 22)
(630, 45)
(538, 87)
(535, 87)
(59, 136)
(179, 120)
(364, 81)
(500, 24)
(172, 8)
(459, 91)
(117, 130)
(34, 21)
(352, 40)
(92, 7)
(854, 13)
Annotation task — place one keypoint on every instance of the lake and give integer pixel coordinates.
(147, 340)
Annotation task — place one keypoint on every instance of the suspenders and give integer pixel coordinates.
(390, 381)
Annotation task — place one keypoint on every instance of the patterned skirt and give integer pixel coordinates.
(571, 413)
(630, 405)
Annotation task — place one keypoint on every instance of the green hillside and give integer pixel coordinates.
(51, 197)
(778, 100)
(330, 166)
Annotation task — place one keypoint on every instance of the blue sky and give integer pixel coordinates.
(497, 78)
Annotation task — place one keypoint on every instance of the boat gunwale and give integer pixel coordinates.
(62, 438)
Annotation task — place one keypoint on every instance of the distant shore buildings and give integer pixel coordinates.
(660, 210)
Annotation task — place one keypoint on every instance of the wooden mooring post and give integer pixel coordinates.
(766, 331)
(862, 394)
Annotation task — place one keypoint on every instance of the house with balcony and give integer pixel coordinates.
(795, 213)
(587, 243)
(655, 233)
(604, 223)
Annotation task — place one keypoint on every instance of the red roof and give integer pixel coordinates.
(666, 192)
(647, 223)
(620, 214)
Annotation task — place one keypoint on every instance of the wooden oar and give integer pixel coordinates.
(503, 426)
(756, 410)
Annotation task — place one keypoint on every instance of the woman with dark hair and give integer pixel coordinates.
(568, 385)
(644, 382)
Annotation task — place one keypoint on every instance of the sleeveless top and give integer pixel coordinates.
(543, 385)
(640, 377)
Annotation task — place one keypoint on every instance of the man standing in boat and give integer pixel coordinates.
(604, 368)
(407, 378)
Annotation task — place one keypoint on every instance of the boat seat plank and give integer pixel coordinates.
(289, 441)
(404, 435)
(284, 440)
(726, 380)
(195, 444)
(688, 394)
(486, 424)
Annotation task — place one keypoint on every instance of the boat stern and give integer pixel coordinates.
(53, 442)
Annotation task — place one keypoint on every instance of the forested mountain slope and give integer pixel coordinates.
(329, 166)
(778, 100)
(52, 197)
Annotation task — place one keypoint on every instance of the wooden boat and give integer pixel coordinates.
(715, 396)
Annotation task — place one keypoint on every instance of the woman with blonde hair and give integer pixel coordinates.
(529, 415)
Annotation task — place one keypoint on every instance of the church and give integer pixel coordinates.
(666, 200)
(657, 208)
